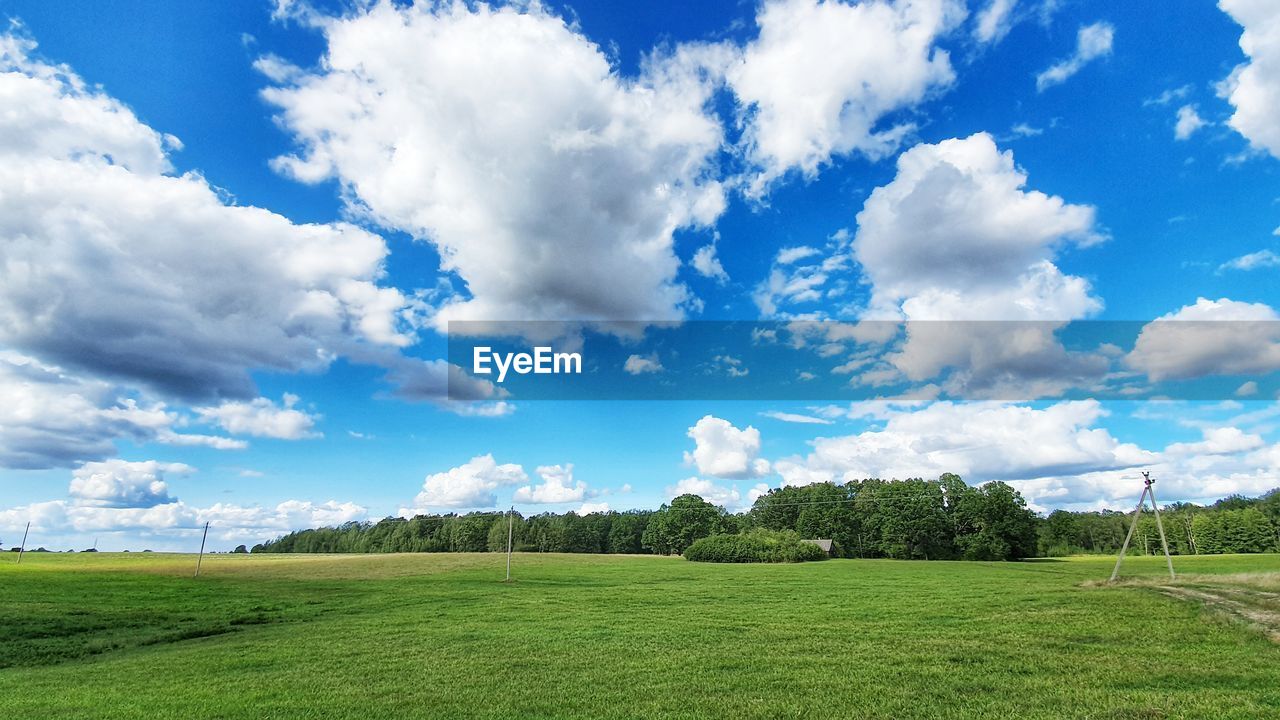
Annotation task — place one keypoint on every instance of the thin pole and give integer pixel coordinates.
(201, 555)
(511, 524)
(23, 548)
(1160, 526)
(1133, 526)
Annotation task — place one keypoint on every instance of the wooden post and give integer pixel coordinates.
(23, 548)
(511, 524)
(201, 555)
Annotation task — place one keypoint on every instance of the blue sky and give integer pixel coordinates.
(171, 356)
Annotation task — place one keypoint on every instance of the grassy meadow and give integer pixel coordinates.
(412, 636)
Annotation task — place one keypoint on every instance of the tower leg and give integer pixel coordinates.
(1127, 538)
(1160, 526)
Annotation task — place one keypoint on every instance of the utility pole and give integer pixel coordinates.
(201, 555)
(511, 524)
(23, 548)
(1146, 490)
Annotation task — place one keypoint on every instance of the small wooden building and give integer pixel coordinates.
(827, 545)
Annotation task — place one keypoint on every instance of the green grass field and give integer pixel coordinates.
(389, 636)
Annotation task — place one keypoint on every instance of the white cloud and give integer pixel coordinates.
(1169, 96)
(50, 418)
(433, 380)
(1247, 389)
(261, 417)
(1022, 130)
(55, 114)
(708, 265)
(803, 276)
(1210, 337)
(593, 507)
(558, 486)
(1092, 42)
(550, 185)
(642, 364)
(1252, 261)
(1253, 88)
(796, 418)
(956, 236)
(726, 497)
(994, 21)
(724, 451)
(177, 524)
(821, 76)
(469, 485)
(123, 484)
(118, 270)
(1189, 121)
(789, 255)
(729, 365)
(1227, 462)
(1218, 441)
(979, 441)
(500, 408)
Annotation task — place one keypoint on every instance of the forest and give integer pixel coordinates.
(943, 519)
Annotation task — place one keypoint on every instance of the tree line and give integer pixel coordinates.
(943, 519)
(1234, 524)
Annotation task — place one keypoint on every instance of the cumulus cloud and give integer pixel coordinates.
(1227, 461)
(821, 77)
(262, 417)
(708, 265)
(1092, 42)
(124, 286)
(118, 269)
(558, 486)
(642, 364)
(472, 484)
(1211, 337)
(1218, 441)
(956, 236)
(726, 497)
(123, 484)
(979, 441)
(1189, 121)
(593, 507)
(170, 522)
(550, 185)
(1059, 456)
(51, 418)
(724, 451)
(1253, 88)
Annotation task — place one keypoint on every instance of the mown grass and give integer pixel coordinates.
(125, 636)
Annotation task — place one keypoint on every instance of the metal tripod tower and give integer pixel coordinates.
(1146, 490)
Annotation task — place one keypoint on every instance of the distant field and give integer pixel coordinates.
(389, 636)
